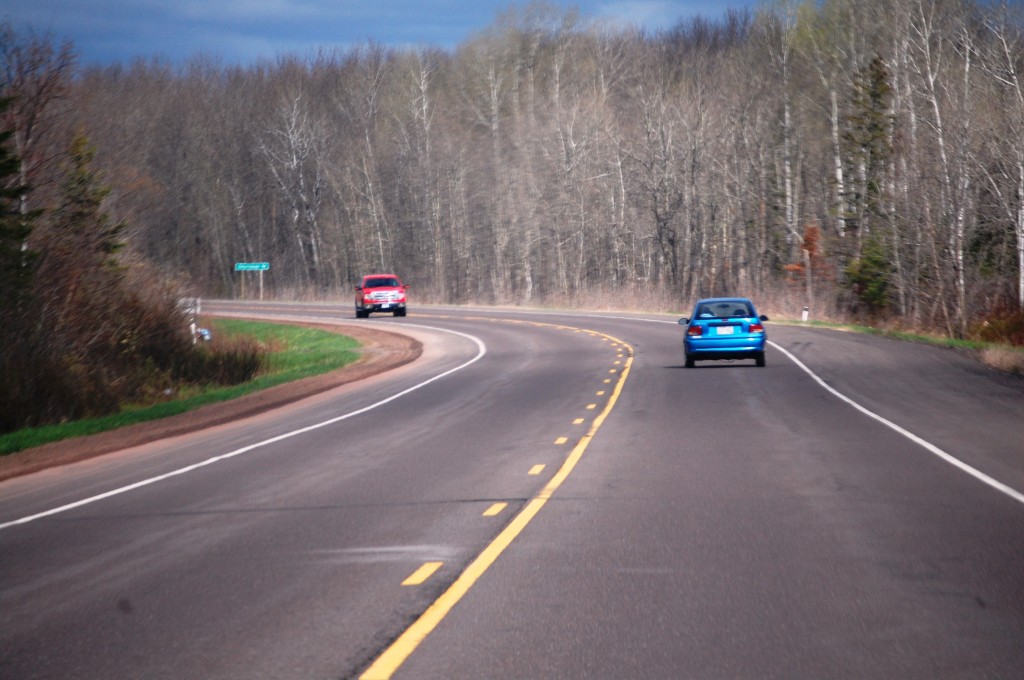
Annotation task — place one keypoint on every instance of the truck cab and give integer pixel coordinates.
(380, 293)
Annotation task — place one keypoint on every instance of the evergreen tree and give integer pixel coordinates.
(16, 261)
(81, 218)
(869, 277)
(17, 269)
(867, 138)
(867, 142)
(86, 305)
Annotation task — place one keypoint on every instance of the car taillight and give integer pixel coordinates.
(695, 331)
(756, 328)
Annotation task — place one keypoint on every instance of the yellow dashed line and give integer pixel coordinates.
(536, 469)
(385, 665)
(591, 407)
(422, 574)
(495, 509)
(561, 440)
(600, 393)
(578, 421)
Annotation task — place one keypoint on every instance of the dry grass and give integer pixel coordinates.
(1009, 360)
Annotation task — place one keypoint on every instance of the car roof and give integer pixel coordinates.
(724, 299)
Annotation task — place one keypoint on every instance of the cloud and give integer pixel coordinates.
(245, 31)
(650, 14)
(654, 15)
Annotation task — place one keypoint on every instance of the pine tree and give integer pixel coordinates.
(867, 138)
(16, 261)
(88, 313)
(17, 269)
(81, 216)
(869, 278)
(867, 142)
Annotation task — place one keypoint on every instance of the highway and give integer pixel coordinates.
(546, 495)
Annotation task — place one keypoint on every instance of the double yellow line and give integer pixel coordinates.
(394, 656)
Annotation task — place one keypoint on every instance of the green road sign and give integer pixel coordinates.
(251, 266)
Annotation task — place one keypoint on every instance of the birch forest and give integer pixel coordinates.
(862, 159)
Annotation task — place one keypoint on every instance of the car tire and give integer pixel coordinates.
(690, 362)
(399, 312)
(760, 360)
(361, 313)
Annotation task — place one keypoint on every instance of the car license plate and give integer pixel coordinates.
(385, 305)
(725, 330)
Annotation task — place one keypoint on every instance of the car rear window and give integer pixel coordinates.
(724, 310)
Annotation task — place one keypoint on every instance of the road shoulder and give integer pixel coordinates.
(380, 351)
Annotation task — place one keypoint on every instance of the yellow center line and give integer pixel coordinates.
(561, 440)
(394, 656)
(537, 469)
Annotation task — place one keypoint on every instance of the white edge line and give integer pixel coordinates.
(928, 446)
(956, 462)
(481, 351)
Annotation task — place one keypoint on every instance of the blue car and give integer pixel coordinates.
(724, 328)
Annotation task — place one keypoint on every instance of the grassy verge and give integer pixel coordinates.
(294, 353)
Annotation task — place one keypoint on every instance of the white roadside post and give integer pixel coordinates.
(192, 307)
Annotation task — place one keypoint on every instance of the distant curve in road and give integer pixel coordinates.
(725, 521)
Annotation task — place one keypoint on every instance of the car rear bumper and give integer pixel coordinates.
(737, 348)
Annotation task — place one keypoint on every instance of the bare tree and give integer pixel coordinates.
(547, 158)
(36, 74)
(295, 147)
(1004, 67)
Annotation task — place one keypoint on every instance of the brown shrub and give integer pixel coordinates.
(225, 361)
(1005, 326)
(88, 355)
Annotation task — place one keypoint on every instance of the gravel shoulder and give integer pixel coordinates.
(380, 351)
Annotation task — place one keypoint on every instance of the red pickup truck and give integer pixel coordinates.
(380, 293)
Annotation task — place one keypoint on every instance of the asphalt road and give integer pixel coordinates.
(547, 496)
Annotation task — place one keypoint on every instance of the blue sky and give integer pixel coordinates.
(244, 31)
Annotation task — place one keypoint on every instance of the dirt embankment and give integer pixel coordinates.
(380, 351)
